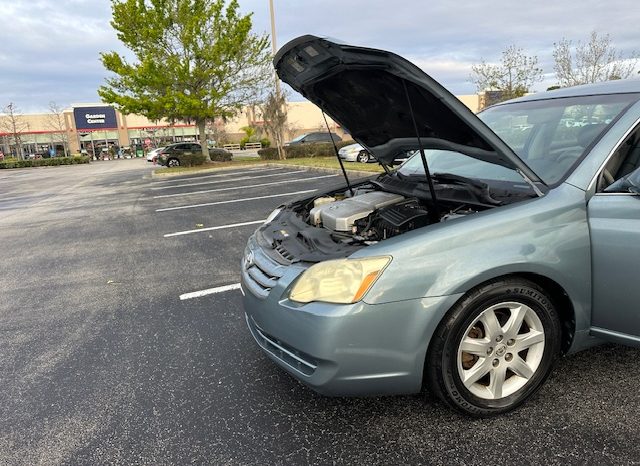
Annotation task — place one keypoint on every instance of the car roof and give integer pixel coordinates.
(620, 86)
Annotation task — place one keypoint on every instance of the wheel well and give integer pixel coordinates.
(561, 299)
(564, 306)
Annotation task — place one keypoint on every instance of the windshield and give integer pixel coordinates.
(552, 135)
(299, 138)
(445, 161)
(549, 135)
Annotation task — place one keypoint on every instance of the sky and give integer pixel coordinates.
(50, 49)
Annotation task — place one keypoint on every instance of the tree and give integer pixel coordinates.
(13, 124)
(55, 121)
(513, 77)
(274, 115)
(590, 62)
(196, 60)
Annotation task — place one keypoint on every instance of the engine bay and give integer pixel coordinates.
(336, 224)
(371, 215)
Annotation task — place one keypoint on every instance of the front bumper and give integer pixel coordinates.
(355, 349)
(349, 156)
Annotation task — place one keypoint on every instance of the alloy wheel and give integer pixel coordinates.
(501, 350)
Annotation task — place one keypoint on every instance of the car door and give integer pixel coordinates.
(185, 149)
(178, 149)
(614, 222)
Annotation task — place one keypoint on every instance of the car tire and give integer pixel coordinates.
(173, 163)
(495, 348)
(363, 156)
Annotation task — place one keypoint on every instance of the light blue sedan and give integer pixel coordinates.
(508, 240)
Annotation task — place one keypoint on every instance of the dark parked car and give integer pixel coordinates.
(509, 240)
(313, 138)
(173, 154)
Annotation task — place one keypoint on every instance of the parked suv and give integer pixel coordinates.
(314, 137)
(174, 154)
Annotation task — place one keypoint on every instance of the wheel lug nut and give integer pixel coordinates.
(495, 363)
(508, 357)
(511, 342)
(499, 338)
(489, 350)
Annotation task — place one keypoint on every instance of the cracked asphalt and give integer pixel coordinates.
(101, 362)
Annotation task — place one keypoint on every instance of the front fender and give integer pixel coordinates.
(548, 236)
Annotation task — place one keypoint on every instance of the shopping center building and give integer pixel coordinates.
(90, 128)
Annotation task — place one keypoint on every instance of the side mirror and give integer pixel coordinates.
(626, 184)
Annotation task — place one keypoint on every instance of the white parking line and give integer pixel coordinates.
(204, 191)
(220, 175)
(220, 289)
(221, 227)
(228, 180)
(193, 206)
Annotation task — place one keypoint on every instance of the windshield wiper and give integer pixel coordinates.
(446, 177)
(443, 177)
(482, 190)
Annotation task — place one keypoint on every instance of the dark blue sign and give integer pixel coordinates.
(88, 118)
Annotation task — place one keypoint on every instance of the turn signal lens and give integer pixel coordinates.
(341, 281)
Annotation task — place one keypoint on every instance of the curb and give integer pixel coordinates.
(204, 170)
(356, 173)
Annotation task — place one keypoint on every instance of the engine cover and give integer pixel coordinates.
(341, 215)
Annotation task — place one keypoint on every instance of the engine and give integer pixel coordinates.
(370, 216)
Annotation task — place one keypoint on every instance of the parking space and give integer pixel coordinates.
(193, 213)
(124, 342)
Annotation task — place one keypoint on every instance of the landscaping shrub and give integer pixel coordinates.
(220, 155)
(54, 161)
(268, 153)
(190, 160)
(320, 149)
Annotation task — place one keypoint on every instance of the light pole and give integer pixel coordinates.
(273, 43)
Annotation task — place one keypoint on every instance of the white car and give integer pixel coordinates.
(153, 154)
(355, 153)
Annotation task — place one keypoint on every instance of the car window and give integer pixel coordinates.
(299, 138)
(624, 160)
(195, 147)
(552, 135)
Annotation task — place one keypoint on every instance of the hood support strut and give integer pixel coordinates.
(435, 215)
(335, 149)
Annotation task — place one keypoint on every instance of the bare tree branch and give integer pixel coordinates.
(55, 122)
(513, 77)
(590, 62)
(12, 123)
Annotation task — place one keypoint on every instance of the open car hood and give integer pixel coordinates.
(371, 92)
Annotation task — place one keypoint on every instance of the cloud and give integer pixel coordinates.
(50, 48)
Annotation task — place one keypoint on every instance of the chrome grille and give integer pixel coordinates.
(260, 272)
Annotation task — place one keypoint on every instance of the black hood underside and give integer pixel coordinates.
(372, 94)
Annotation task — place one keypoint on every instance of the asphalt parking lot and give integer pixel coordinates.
(123, 341)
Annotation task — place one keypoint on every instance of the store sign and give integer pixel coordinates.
(88, 118)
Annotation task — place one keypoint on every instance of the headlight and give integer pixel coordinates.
(273, 215)
(341, 281)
